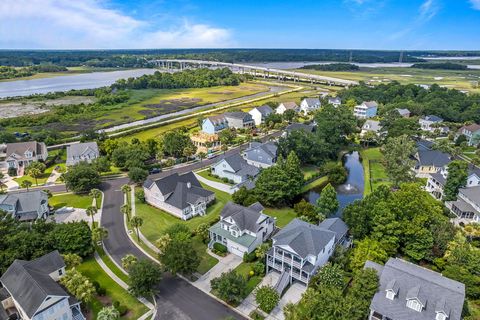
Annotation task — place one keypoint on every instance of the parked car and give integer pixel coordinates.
(155, 170)
(211, 155)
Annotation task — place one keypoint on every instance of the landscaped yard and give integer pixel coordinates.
(244, 269)
(206, 174)
(283, 215)
(114, 292)
(374, 170)
(70, 200)
(207, 262)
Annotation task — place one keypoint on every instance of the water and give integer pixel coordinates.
(297, 65)
(65, 83)
(351, 190)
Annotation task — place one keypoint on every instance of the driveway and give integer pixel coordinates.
(216, 185)
(224, 264)
(249, 304)
(293, 295)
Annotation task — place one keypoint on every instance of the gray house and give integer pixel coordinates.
(298, 127)
(261, 155)
(239, 120)
(235, 168)
(410, 292)
(310, 104)
(259, 114)
(467, 205)
(430, 161)
(31, 291)
(25, 206)
(242, 229)
(340, 228)
(78, 152)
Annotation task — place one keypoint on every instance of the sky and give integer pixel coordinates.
(338, 24)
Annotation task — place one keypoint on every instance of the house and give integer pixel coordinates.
(366, 109)
(467, 205)
(25, 206)
(299, 250)
(411, 292)
(78, 152)
(309, 105)
(371, 126)
(261, 155)
(431, 123)
(180, 195)
(20, 154)
(206, 142)
(472, 133)
(31, 291)
(405, 113)
(436, 181)
(239, 120)
(430, 161)
(307, 128)
(259, 114)
(289, 105)
(242, 229)
(235, 168)
(335, 101)
(214, 124)
(340, 228)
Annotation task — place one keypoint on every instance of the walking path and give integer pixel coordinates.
(10, 183)
(53, 178)
(224, 264)
(216, 185)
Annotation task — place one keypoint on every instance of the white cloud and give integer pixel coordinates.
(90, 24)
(475, 4)
(427, 10)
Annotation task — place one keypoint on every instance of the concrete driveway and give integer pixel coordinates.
(292, 295)
(224, 264)
(249, 304)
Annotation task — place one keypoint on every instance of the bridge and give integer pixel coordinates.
(256, 71)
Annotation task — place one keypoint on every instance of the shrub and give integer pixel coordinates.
(224, 179)
(259, 268)
(249, 257)
(122, 310)
(101, 291)
(220, 247)
(140, 195)
(12, 172)
(267, 298)
(255, 315)
(96, 285)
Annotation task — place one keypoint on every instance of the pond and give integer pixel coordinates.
(351, 190)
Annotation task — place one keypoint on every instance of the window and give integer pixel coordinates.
(414, 304)
(390, 294)
(60, 272)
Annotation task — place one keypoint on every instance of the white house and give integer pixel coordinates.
(20, 154)
(472, 133)
(366, 109)
(284, 106)
(335, 101)
(371, 126)
(259, 114)
(78, 152)
(242, 229)
(431, 123)
(309, 105)
(180, 195)
(234, 168)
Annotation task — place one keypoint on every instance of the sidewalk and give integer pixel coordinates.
(10, 183)
(224, 264)
(53, 178)
(216, 185)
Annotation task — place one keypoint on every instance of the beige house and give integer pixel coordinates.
(206, 142)
(19, 155)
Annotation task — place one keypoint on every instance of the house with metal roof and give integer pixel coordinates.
(31, 291)
(239, 120)
(430, 161)
(410, 292)
(235, 168)
(261, 155)
(288, 105)
(85, 151)
(309, 105)
(25, 206)
(259, 114)
(242, 229)
(471, 132)
(180, 195)
(366, 109)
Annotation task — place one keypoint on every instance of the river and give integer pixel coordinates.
(351, 190)
(68, 82)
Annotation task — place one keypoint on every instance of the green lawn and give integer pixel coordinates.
(315, 183)
(112, 266)
(206, 174)
(207, 262)
(41, 180)
(70, 200)
(94, 272)
(309, 171)
(244, 269)
(283, 215)
(373, 169)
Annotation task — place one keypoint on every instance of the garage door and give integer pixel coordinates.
(236, 249)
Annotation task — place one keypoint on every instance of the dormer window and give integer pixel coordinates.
(441, 316)
(390, 295)
(414, 305)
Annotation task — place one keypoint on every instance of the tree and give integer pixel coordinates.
(71, 260)
(179, 255)
(244, 197)
(336, 172)
(367, 249)
(173, 143)
(95, 194)
(91, 211)
(35, 170)
(201, 156)
(330, 275)
(137, 175)
(203, 232)
(73, 237)
(143, 276)
(398, 153)
(295, 174)
(224, 148)
(289, 115)
(327, 203)
(98, 234)
(262, 250)
(26, 184)
(126, 210)
(136, 222)
(126, 189)
(267, 298)
(81, 177)
(78, 285)
(128, 261)
(456, 179)
(306, 211)
(108, 313)
(230, 287)
(101, 164)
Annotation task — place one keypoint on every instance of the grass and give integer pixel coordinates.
(374, 171)
(207, 262)
(41, 180)
(111, 265)
(70, 200)
(315, 183)
(244, 269)
(283, 215)
(206, 174)
(309, 171)
(91, 269)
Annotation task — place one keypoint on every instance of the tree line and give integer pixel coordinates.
(11, 72)
(440, 65)
(332, 67)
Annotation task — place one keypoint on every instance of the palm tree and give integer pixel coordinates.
(98, 234)
(136, 222)
(128, 261)
(201, 156)
(26, 184)
(126, 209)
(91, 211)
(224, 148)
(95, 194)
(126, 189)
(34, 173)
(108, 313)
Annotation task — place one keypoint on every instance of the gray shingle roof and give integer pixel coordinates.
(335, 225)
(433, 158)
(299, 126)
(335, 100)
(312, 101)
(372, 125)
(433, 118)
(239, 115)
(290, 105)
(431, 288)
(403, 112)
(79, 149)
(424, 144)
(21, 147)
(240, 166)
(245, 217)
(439, 178)
(303, 238)
(265, 110)
(472, 193)
(29, 282)
(370, 104)
(27, 202)
(217, 119)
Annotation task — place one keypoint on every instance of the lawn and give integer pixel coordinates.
(309, 171)
(41, 180)
(70, 200)
(315, 183)
(206, 174)
(374, 171)
(112, 266)
(283, 215)
(244, 269)
(207, 262)
(94, 272)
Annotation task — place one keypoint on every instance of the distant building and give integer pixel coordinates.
(261, 155)
(239, 120)
(206, 142)
(431, 123)
(365, 110)
(472, 133)
(371, 126)
(289, 105)
(259, 114)
(30, 291)
(242, 229)
(78, 152)
(214, 124)
(467, 205)
(309, 105)
(335, 101)
(235, 168)
(20, 154)
(180, 195)
(25, 206)
(410, 292)
(405, 113)
(298, 127)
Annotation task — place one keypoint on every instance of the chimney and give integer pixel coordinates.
(189, 185)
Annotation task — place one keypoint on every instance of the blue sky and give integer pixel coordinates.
(360, 24)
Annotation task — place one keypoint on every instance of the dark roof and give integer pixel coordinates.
(29, 282)
(21, 147)
(335, 225)
(303, 238)
(299, 126)
(433, 158)
(439, 178)
(245, 218)
(265, 110)
(240, 165)
(472, 193)
(424, 144)
(435, 291)
(433, 118)
(238, 115)
(27, 203)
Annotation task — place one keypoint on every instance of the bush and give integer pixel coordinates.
(122, 310)
(259, 268)
(224, 179)
(249, 257)
(12, 172)
(220, 247)
(96, 285)
(101, 291)
(255, 315)
(140, 195)
(267, 298)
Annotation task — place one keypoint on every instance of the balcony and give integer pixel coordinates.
(288, 260)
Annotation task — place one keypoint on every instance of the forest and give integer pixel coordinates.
(11, 72)
(440, 66)
(332, 67)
